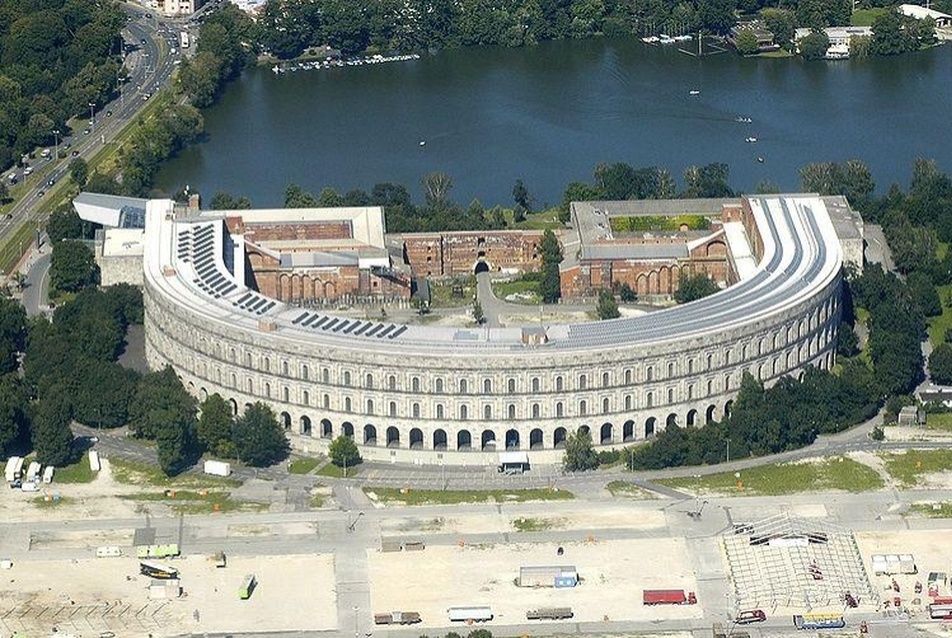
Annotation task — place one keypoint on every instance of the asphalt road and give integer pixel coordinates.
(150, 66)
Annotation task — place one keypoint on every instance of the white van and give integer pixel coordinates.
(45, 153)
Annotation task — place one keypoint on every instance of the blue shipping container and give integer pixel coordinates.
(566, 581)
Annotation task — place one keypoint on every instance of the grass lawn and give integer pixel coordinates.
(528, 291)
(140, 474)
(908, 467)
(932, 510)
(536, 524)
(866, 17)
(317, 501)
(540, 221)
(838, 473)
(629, 490)
(454, 497)
(197, 502)
(940, 421)
(333, 471)
(78, 472)
(939, 325)
(303, 466)
(441, 294)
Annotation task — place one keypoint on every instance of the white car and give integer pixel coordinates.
(30, 486)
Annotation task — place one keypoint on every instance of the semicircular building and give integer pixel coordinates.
(420, 393)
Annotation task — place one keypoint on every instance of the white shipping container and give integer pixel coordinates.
(217, 468)
(14, 468)
(48, 474)
(94, 464)
(33, 473)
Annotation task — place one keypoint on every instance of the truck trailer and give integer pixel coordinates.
(668, 597)
(217, 468)
(549, 613)
(818, 621)
(470, 614)
(397, 618)
(14, 468)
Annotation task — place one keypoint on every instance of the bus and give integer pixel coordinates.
(819, 621)
(157, 570)
(247, 586)
(183, 39)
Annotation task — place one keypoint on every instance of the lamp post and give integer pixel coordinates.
(56, 133)
(728, 450)
(356, 630)
(92, 121)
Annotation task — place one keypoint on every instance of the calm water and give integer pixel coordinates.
(548, 115)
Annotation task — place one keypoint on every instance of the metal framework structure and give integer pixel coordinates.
(787, 561)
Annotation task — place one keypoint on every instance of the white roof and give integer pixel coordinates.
(920, 13)
(124, 242)
(513, 457)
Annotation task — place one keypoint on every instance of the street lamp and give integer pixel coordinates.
(56, 141)
(92, 121)
(728, 450)
(356, 631)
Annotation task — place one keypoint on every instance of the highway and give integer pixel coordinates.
(149, 65)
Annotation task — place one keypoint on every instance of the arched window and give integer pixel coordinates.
(392, 408)
(487, 412)
(326, 401)
(285, 368)
(627, 377)
(535, 411)
(286, 394)
(605, 405)
(267, 390)
(415, 410)
(670, 395)
(627, 401)
(670, 370)
(463, 386)
(535, 384)
(370, 406)
(415, 384)
(649, 399)
(305, 372)
(690, 366)
(559, 409)
(347, 405)
(511, 386)
(649, 373)
(347, 378)
(439, 410)
(267, 364)
(391, 382)
(487, 386)
(247, 359)
(559, 384)
(307, 398)
(325, 375)
(251, 386)
(369, 381)
(582, 407)
(605, 379)
(439, 386)
(511, 411)
(582, 381)
(463, 413)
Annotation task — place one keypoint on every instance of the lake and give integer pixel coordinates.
(549, 114)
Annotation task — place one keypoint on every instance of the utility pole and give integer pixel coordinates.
(56, 133)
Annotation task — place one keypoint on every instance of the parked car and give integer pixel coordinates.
(749, 616)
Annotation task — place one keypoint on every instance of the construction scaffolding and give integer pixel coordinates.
(119, 616)
(787, 561)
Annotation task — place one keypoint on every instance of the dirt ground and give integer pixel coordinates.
(292, 589)
(613, 573)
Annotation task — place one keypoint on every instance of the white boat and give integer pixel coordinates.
(650, 39)
(750, 140)
(745, 120)
(422, 142)
(694, 92)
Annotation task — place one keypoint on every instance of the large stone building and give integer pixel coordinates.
(451, 254)
(454, 395)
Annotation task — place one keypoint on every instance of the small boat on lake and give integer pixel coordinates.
(750, 140)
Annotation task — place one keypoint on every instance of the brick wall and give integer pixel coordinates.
(457, 253)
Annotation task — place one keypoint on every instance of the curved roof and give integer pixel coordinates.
(185, 260)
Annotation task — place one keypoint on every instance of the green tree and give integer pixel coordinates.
(175, 440)
(890, 36)
(101, 392)
(478, 316)
(436, 190)
(160, 399)
(14, 411)
(607, 306)
(551, 251)
(579, 453)
(4, 193)
(12, 333)
(940, 364)
(52, 437)
(694, 287)
(215, 427)
(343, 452)
(259, 438)
(746, 42)
(79, 171)
(814, 45)
(520, 194)
(72, 266)
(627, 294)
(64, 223)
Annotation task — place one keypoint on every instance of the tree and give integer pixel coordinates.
(627, 294)
(79, 171)
(52, 437)
(12, 333)
(520, 194)
(746, 42)
(579, 452)
(607, 306)
(4, 193)
(14, 413)
(160, 399)
(102, 392)
(813, 46)
(72, 266)
(551, 251)
(890, 37)
(343, 452)
(215, 427)
(694, 287)
(259, 438)
(478, 316)
(175, 440)
(940, 364)
(436, 190)
(64, 223)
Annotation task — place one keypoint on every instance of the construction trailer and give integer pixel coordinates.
(549, 613)
(548, 576)
(889, 564)
(668, 597)
(476, 613)
(14, 468)
(397, 618)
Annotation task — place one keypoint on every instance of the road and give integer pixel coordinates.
(150, 66)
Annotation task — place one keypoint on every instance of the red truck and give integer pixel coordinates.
(668, 597)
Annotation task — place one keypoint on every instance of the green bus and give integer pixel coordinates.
(247, 587)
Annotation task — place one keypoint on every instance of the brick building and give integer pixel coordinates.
(450, 254)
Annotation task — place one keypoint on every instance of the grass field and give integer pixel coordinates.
(303, 466)
(932, 510)
(909, 467)
(454, 497)
(866, 17)
(529, 524)
(48, 502)
(78, 472)
(838, 473)
(939, 325)
(140, 474)
(629, 490)
(941, 421)
(528, 291)
(333, 471)
(197, 502)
